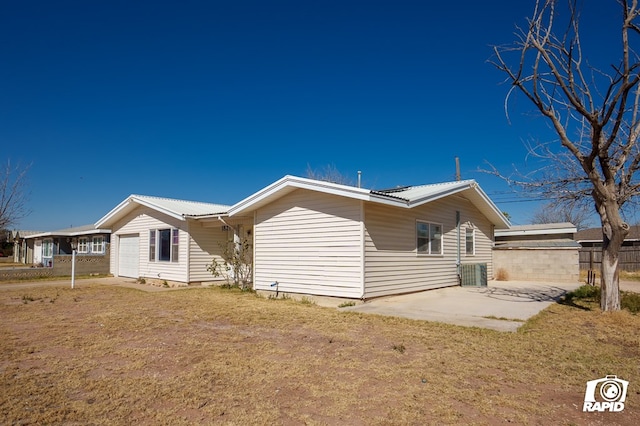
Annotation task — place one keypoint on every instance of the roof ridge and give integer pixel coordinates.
(176, 199)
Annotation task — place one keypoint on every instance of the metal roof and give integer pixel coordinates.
(71, 232)
(179, 209)
(406, 197)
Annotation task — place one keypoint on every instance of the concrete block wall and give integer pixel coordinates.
(545, 264)
(85, 264)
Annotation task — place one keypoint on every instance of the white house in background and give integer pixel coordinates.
(320, 238)
(168, 239)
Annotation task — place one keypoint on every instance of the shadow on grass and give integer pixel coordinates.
(586, 293)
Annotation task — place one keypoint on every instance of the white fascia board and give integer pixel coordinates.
(516, 232)
(68, 234)
(289, 183)
(113, 213)
(500, 216)
(157, 208)
(126, 205)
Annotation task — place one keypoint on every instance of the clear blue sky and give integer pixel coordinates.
(213, 100)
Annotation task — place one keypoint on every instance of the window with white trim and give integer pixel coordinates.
(470, 241)
(428, 238)
(83, 245)
(97, 245)
(164, 245)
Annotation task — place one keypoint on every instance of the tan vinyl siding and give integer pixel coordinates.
(206, 242)
(140, 221)
(392, 264)
(309, 243)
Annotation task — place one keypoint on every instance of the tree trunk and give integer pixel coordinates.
(614, 232)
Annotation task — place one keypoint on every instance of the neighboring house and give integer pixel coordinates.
(320, 238)
(41, 248)
(544, 252)
(592, 237)
(591, 252)
(20, 252)
(167, 239)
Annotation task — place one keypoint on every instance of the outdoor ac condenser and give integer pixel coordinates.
(473, 275)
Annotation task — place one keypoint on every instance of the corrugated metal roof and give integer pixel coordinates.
(419, 192)
(179, 209)
(183, 207)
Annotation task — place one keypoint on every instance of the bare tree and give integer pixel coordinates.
(576, 214)
(329, 173)
(13, 195)
(594, 113)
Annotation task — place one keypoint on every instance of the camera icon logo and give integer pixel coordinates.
(606, 394)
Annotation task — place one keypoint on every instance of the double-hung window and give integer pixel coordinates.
(470, 241)
(164, 245)
(83, 245)
(97, 245)
(428, 238)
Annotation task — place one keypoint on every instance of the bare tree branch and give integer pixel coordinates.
(13, 194)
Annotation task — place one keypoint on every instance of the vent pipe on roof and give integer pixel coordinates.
(457, 169)
(359, 178)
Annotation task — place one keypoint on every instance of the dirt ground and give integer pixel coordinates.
(112, 355)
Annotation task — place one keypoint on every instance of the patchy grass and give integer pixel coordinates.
(589, 298)
(113, 355)
(502, 318)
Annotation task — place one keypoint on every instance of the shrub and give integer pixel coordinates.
(502, 275)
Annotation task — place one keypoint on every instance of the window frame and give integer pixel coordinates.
(172, 245)
(97, 242)
(473, 241)
(47, 247)
(430, 237)
(83, 245)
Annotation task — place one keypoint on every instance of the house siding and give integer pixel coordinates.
(139, 222)
(206, 244)
(309, 243)
(392, 264)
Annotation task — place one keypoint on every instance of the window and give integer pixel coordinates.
(470, 241)
(97, 245)
(164, 245)
(47, 248)
(152, 245)
(429, 238)
(83, 245)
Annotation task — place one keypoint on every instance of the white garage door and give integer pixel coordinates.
(128, 256)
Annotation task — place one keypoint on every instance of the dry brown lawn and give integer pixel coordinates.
(111, 355)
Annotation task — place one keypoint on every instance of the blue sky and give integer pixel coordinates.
(213, 100)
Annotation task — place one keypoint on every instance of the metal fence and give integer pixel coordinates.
(591, 258)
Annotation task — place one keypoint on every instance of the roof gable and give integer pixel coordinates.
(404, 197)
(178, 209)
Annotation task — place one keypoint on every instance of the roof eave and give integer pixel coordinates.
(289, 183)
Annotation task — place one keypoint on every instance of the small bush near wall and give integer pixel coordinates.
(502, 275)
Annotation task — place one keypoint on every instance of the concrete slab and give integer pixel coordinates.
(502, 306)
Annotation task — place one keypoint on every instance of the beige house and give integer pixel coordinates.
(169, 240)
(320, 238)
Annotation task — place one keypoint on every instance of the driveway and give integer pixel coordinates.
(502, 306)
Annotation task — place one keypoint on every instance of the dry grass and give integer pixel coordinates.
(110, 355)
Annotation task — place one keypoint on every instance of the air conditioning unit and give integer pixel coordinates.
(473, 275)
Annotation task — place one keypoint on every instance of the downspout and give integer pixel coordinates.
(458, 246)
